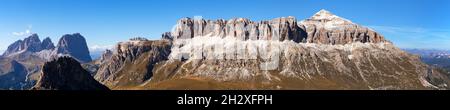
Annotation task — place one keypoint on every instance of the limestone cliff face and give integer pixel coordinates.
(66, 73)
(324, 28)
(74, 45)
(278, 29)
(32, 54)
(47, 44)
(327, 28)
(322, 52)
(30, 44)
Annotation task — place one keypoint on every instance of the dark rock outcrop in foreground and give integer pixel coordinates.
(66, 73)
(32, 53)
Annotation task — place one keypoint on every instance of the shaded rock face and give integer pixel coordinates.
(29, 44)
(12, 74)
(302, 66)
(132, 62)
(47, 44)
(74, 45)
(14, 47)
(32, 43)
(66, 73)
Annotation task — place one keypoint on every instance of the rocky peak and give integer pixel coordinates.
(74, 45)
(30, 44)
(66, 73)
(47, 44)
(134, 48)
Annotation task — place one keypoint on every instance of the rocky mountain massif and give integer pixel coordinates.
(322, 28)
(324, 51)
(321, 52)
(23, 60)
(12, 74)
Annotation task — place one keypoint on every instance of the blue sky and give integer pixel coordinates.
(407, 23)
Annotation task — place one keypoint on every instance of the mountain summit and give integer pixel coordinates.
(74, 45)
(327, 28)
(325, 15)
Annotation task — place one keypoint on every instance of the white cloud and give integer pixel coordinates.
(100, 48)
(27, 32)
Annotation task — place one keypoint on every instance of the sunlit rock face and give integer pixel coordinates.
(327, 28)
(322, 52)
(278, 29)
(74, 45)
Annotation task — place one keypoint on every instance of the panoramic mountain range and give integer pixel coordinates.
(324, 51)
